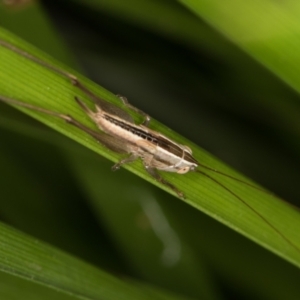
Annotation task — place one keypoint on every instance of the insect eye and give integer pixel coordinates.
(183, 170)
(193, 168)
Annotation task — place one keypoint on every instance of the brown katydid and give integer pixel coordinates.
(119, 133)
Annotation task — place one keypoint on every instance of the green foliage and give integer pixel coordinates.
(64, 194)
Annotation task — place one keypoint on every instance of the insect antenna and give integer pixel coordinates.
(249, 206)
(234, 178)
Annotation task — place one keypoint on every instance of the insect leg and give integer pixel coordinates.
(153, 172)
(105, 106)
(123, 161)
(140, 112)
(32, 107)
(104, 139)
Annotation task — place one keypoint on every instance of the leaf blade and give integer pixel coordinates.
(202, 193)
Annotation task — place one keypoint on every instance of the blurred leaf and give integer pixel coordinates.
(269, 32)
(32, 24)
(32, 260)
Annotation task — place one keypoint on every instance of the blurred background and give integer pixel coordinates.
(188, 75)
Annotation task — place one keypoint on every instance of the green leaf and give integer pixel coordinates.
(262, 217)
(32, 24)
(28, 258)
(267, 30)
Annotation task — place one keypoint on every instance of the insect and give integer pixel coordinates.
(119, 133)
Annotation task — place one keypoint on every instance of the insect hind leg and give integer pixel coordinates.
(73, 79)
(69, 119)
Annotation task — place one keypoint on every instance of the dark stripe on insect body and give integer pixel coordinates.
(134, 130)
(160, 140)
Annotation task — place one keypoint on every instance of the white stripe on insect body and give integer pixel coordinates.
(158, 151)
